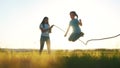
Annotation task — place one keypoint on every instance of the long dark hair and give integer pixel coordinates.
(74, 13)
(43, 22)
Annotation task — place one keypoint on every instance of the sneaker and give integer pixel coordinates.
(81, 34)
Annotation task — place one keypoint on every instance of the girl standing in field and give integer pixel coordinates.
(74, 23)
(45, 30)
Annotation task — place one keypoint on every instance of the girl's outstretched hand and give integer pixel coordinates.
(65, 35)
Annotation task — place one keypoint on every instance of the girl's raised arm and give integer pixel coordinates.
(80, 22)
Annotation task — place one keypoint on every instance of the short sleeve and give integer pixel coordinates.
(40, 26)
(76, 20)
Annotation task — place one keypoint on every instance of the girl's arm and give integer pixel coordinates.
(80, 22)
(44, 30)
(50, 28)
(67, 31)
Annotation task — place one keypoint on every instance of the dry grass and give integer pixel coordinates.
(60, 59)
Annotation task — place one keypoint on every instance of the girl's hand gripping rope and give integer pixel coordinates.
(50, 28)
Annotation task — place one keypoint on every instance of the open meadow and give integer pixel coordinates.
(100, 58)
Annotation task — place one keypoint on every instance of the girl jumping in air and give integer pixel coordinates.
(45, 30)
(74, 23)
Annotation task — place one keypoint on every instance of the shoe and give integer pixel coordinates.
(81, 34)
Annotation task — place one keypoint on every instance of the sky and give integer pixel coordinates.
(20, 20)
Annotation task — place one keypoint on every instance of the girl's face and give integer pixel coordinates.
(46, 20)
(72, 15)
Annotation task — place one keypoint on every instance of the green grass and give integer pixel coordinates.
(60, 59)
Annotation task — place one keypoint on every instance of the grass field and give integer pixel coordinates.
(60, 59)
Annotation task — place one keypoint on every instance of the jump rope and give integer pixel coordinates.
(85, 43)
